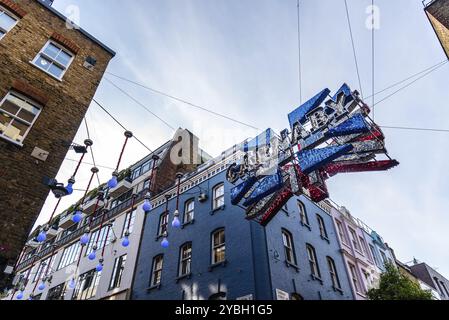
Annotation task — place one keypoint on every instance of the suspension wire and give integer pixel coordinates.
(299, 51)
(373, 59)
(416, 129)
(91, 150)
(90, 164)
(353, 48)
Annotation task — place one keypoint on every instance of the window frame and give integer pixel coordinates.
(42, 54)
(216, 248)
(30, 125)
(216, 199)
(313, 261)
(156, 273)
(3, 10)
(322, 227)
(117, 275)
(188, 212)
(355, 240)
(289, 249)
(163, 227)
(61, 289)
(94, 278)
(303, 216)
(185, 262)
(129, 215)
(333, 272)
(355, 278)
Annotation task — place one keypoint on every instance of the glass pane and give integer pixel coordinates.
(26, 115)
(52, 51)
(43, 63)
(16, 130)
(6, 21)
(56, 71)
(10, 107)
(64, 58)
(4, 121)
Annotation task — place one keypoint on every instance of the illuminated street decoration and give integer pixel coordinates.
(328, 135)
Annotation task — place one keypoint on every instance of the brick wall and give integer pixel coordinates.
(65, 103)
(438, 14)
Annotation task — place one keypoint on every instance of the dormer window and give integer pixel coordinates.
(54, 59)
(7, 21)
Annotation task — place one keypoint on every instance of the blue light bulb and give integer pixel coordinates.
(41, 287)
(72, 284)
(99, 267)
(165, 243)
(42, 236)
(92, 256)
(69, 188)
(125, 242)
(113, 182)
(176, 223)
(20, 295)
(84, 239)
(147, 206)
(77, 217)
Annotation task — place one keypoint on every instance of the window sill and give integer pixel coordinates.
(186, 276)
(159, 237)
(306, 226)
(291, 265)
(18, 144)
(315, 278)
(325, 239)
(46, 72)
(185, 224)
(217, 209)
(338, 290)
(216, 265)
(156, 287)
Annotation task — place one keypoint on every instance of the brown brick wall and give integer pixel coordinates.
(22, 193)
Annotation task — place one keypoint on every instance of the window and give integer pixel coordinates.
(218, 246)
(368, 279)
(303, 214)
(355, 242)
(54, 59)
(189, 209)
(117, 272)
(156, 274)
(127, 223)
(445, 289)
(313, 261)
(43, 269)
(146, 167)
(7, 21)
(289, 247)
(163, 223)
(341, 233)
(354, 277)
(122, 198)
(218, 199)
(57, 293)
(364, 248)
(373, 253)
(70, 255)
(322, 226)
(384, 257)
(87, 285)
(333, 273)
(136, 173)
(99, 235)
(17, 116)
(185, 259)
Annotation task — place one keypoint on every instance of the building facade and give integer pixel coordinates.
(432, 278)
(218, 254)
(438, 13)
(62, 269)
(49, 75)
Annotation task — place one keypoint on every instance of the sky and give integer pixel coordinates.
(240, 58)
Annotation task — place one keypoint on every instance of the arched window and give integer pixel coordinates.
(189, 210)
(322, 226)
(218, 197)
(185, 259)
(289, 247)
(303, 214)
(333, 273)
(313, 262)
(156, 270)
(218, 246)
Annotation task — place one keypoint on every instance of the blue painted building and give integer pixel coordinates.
(218, 254)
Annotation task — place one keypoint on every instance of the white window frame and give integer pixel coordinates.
(52, 60)
(217, 247)
(30, 124)
(185, 260)
(3, 10)
(218, 198)
(189, 213)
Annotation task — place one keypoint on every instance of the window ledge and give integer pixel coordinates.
(291, 265)
(185, 276)
(158, 237)
(46, 72)
(216, 265)
(18, 144)
(339, 290)
(306, 225)
(325, 239)
(217, 209)
(315, 278)
(185, 224)
(156, 287)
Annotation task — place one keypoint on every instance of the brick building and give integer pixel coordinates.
(49, 75)
(438, 13)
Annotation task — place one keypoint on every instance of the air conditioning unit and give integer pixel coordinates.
(202, 197)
